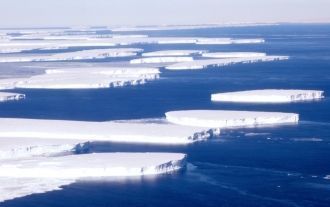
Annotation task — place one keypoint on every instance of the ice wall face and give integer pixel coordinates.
(4, 96)
(268, 96)
(165, 53)
(221, 119)
(161, 60)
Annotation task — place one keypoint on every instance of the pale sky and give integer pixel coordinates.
(38, 13)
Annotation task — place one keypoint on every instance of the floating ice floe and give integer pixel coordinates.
(102, 131)
(226, 41)
(233, 54)
(204, 63)
(84, 78)
(268, 96)
(41, 174)
(79, 55)
(161, 60)
(227, 118)
(4, 96)
(173, 53)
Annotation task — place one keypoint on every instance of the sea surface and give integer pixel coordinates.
(270, 166)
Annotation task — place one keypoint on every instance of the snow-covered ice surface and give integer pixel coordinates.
(203, 63)
(5, 96)
(268, 96)
(161, 60)
(83, 78)
(227, 118)
(102, 131)
(79, 55)
(233, 54)
(41, 174)
(173, 53)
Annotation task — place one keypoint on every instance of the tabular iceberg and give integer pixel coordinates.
(233, 54)
(84, 78)
(268, 96)
(4, 96)
(204, 63)
(173, 53)
(102, 131)
(161, 60)
(227, 118)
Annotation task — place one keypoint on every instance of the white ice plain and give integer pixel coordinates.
(204, 63)
(41, 174)
(102, 131)
(5, 96)
(268, 96)
(83, 78)
(161, 60)
(173, 53)
(227, 118)
(233, 54)
(79, 55)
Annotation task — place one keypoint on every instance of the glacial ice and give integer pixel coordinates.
(268, 96)
(227, 118)
(233, 54)
(204, 63)
(225, 41)
(173, 53)
(5, 96)
(79, 55)
(41, 174)
(83, 78)
(161, 60)
(102, 131)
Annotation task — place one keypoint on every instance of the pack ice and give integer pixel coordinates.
(4, 96)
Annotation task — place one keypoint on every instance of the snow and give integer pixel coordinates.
(41, 174)
(84, 78)
(4, 96)
(79, 55)
(225, 41)
(227, 118)
(204, 63)
(173, 53)
(268, 96)
(161, 60)
(234, 54)
(102, 131)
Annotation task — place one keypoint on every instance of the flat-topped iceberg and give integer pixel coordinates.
(102, 131)
(161, 60)
(204, 63)
(84, 78)
(50, 173)
(225, 41)
(173, 53)
(268, 96)
(79, 55)
(227, 118)
(4, 96)
(233, 54)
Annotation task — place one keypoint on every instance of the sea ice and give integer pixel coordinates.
(227, 118)
(161, 60)
(233, 54)
(4, 96)
(204, 63)
(268, 96)
(173, 53)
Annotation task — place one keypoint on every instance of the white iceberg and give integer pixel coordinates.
(83, 78)
(41, 174)
(227, 118)
(204, 63)
(79, 55)
(268, 96)
(161, 60)
(226, 41)
(173, 53)
(233, 54)
(102, 131)
(4, 96)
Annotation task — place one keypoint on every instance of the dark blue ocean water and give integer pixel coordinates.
(272, 166)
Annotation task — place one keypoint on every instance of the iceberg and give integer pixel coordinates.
(161, 60)
(4, 96)
(172, 53)
(79, 55)
(204, 63)
(155, 133)
(41, 174)
(225, 41)
(227, 118)
(268, 96)
(84, 78)
(233, 54)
